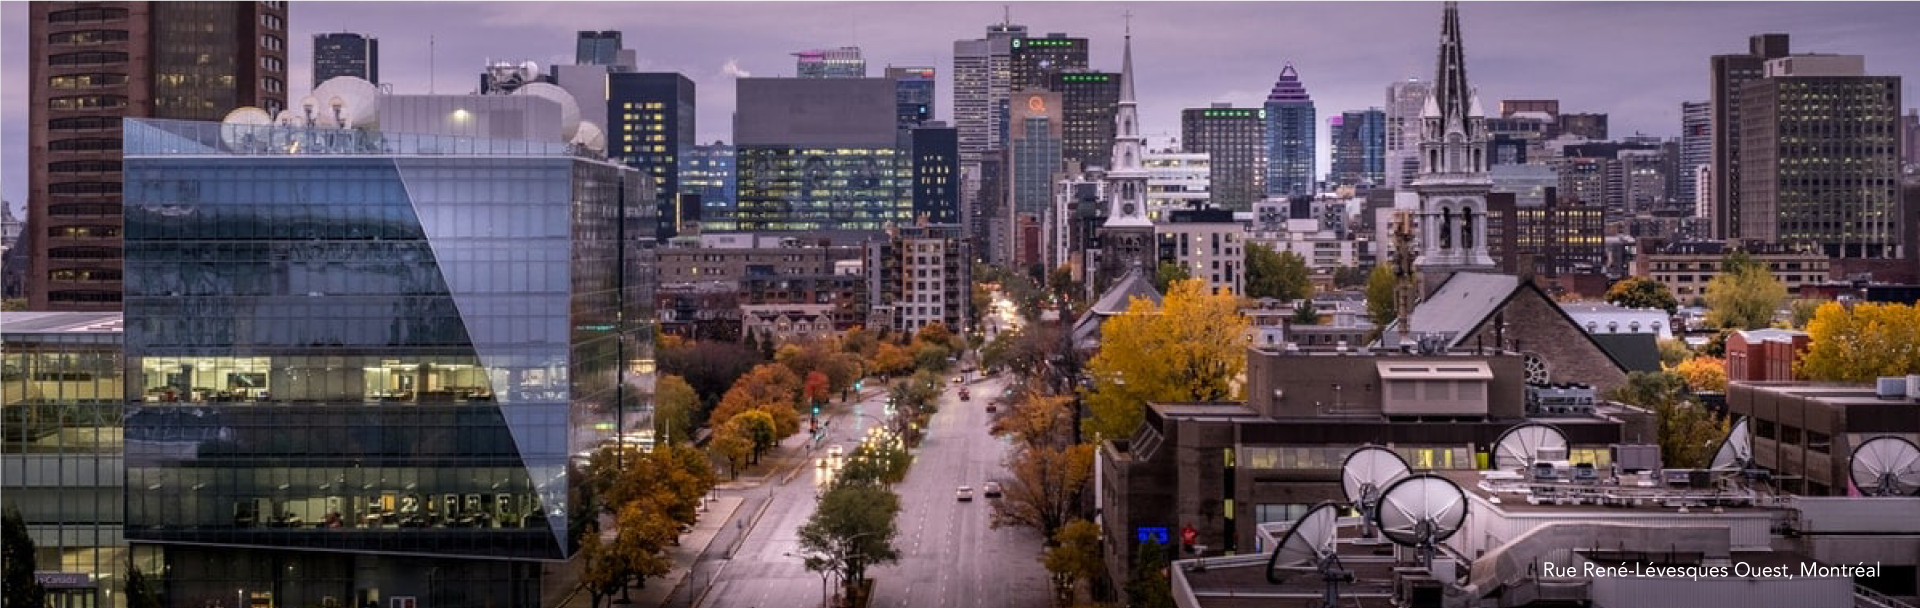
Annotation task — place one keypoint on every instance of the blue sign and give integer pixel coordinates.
(1156, 534)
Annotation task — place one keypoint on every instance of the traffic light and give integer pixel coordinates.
(858, 384)
(816, 409)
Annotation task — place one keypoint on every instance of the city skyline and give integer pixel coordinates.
(1662, 49)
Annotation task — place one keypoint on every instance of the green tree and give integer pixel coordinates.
(1688, 432)
(1803, 311)
(1193, 347)
(1147, 584)
(1641, 292)
(1072, 558)
(1744, 295)
(674, 407)
(1305, 314)
(1383, 307)
(1673, 351)
(1167, 274)
(1281, 275)
(21, 588)
(1347, 277)
(851, 529)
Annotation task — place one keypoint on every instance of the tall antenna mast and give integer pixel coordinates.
(1006, 14)
(429, 64)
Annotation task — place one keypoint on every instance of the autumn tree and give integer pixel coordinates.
(1673, 351)
(771, 388)
(892, 359)
(1803, 312)
(823, 356)
(1703, 374)
(1193, 347)
(732, 444)
(1858, 344)
(1744, 295)
(758, 426)
(1073, 558)
(1383, 306)
(1688, 432)
(674, 406)
(606, 571)
(817, 389)
(1281, 275)
(1641, 292)
(852, 529)
(652, 494)
(1045, 489)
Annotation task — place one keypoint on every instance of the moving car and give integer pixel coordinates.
(835, 452)
(964, 395)
(991, 489)
(991, 407)
(964, 494)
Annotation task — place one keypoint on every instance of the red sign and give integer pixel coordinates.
(1188, 535)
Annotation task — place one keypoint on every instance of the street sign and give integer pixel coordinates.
(1157, 534)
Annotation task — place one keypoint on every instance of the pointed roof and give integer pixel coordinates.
(1126, 67)
(1288, 87)
(1134, 284)
(1452, 97)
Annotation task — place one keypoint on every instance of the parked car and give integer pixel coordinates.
(964, 494)
(991, 489)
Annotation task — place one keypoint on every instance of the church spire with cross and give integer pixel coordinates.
(1126, 237)
(1453, 182)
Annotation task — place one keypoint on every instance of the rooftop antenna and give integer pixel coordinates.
(1311, 545)
(1129, 18)
(1006, 14)
(429, 64)
(1366, 471)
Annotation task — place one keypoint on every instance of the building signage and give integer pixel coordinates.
(1157, 534)
(63, 580)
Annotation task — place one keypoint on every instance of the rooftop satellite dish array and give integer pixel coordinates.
(1886, 466)
(348, 102)
(1366, 471)
(1418, 511)
(1524, 445)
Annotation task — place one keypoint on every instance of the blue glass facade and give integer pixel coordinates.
(708, 171)
(372, 353)
(1290, 138)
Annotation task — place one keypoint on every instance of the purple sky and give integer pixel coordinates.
(1636, 61)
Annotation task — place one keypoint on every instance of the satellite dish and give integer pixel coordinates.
(245, 128)
(1420, 511)
(569, 108)
(1736, 451)
(1887, 466)
(1519, 447)
(287, 118)
(1362, 476)
(591, 137)
(356, 101)
(1310, 545)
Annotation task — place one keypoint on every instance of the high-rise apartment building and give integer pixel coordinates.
(1289, 137)
(1730, 74)
(1819, 164)
(707, 171)
(308, 431)
(1208, 243)
(651, 120)
(921, 275)
(914, 95)
(1176, 180)
(1404, 102)
(94, 63)
(1034, 61)
(1696, 145)
(1087, 101)
(1235, 142)
(1359, 148)
(820, 156)
(345, 54)
(843, 62)
(936, 174)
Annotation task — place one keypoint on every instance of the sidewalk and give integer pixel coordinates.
(563, 579)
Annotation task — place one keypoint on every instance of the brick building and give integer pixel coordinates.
(1764, 355)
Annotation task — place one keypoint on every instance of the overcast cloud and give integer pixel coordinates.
(1636, 61)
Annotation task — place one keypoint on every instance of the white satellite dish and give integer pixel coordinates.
(569, 108)
(1736, 451)
(1366, 471)
(1886, 466)
(1311, 546)
(591, 137)
(1519, 447)
(1420, 511)
(356, 101)
(287, 118)
(245, 128)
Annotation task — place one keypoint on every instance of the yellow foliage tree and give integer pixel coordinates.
(769, 387)
(1703, 373)
(1862, 343)
(1193, 347)
(892, 359)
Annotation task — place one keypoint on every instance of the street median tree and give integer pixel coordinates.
(851, 530)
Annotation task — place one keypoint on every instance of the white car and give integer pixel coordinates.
(964, 494)
(835, 451)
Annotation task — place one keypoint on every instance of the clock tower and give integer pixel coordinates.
(1126, 237)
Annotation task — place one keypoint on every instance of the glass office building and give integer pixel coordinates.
(360, 364)
(60, 442)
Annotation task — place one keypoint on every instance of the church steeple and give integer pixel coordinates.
(1453, 183)
(1127, 181)
(1454, 99)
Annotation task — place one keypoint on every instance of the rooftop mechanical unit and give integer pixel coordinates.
(1560, 400)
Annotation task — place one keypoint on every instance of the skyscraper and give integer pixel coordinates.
(820, 156)
(1453, 183)
(936, 174)
(651, 119)
(345, 54)
(1696, 145)
(914, 94)
(1034, 61)
(1818, 164)
(1730, 73)
(981, 75)
(1359, 141)
(1034, 163)
(398, 426)
(1290, 139)
(96, 63)
(1235, 142)
(601, 48)
(707, 170)
(1910, 137)
(843, 62)
(1405, 100)
(1087, 99)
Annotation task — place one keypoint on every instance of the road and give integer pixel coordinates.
(950, 557)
